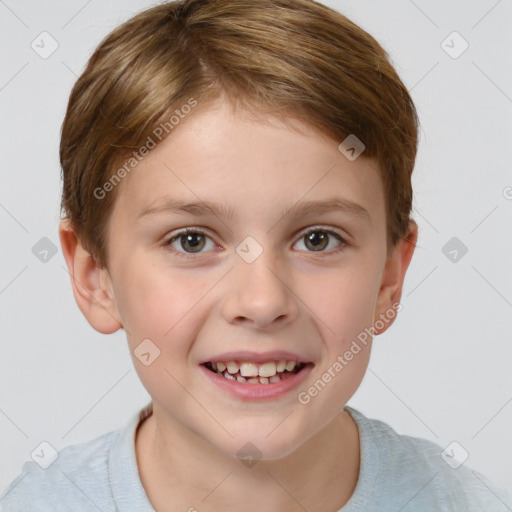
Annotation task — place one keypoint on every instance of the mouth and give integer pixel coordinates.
(267, 373)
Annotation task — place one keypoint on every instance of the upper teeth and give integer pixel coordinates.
(248, 369)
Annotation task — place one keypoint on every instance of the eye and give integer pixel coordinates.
(317, 239)
(191, 240)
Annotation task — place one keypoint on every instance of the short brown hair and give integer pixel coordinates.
(294, 58)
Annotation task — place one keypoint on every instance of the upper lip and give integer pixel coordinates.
(254, 357)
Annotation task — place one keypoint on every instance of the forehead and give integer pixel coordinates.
(250, 164)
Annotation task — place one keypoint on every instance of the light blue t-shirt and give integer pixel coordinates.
(397, 473)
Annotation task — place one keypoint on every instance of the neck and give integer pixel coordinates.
(179, 474)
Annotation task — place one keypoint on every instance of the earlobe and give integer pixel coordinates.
(393, 277)
(92, 286)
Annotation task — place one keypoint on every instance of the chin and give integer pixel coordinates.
(257, 444)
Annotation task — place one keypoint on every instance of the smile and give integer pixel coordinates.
(253, 373)
(270, 380)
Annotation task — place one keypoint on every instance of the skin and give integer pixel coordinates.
(291, 297)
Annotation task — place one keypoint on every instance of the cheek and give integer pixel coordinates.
(159, 311)
(155, 300)
(348, 311)
(344, 301)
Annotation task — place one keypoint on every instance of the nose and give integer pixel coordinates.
(260, 294)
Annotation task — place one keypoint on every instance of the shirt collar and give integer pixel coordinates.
(127, 490)
(130, 496)
(369, 466)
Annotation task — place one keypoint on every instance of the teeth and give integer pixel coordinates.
(232, 367)
(249, 370)
(267, 369)
(281, 366)
(252, 373)
(290, 365)
(256, 380)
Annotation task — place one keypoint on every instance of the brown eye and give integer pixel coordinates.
(317, 240)
(192, 242)
(189, 241)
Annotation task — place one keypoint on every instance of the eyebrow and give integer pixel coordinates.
(205, 208)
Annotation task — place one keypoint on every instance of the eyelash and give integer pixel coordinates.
(169, 241)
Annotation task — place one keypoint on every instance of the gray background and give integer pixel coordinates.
(441, 372)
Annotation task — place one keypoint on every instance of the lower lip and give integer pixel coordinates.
(258, 391)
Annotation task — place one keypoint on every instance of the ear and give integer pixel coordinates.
(92, 285)
(393, 277)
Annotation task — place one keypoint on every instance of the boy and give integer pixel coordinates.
(237, 198)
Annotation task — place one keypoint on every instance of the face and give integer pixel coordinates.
(255, 280)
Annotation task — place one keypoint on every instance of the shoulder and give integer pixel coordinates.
(423, 474)
(78, 477)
